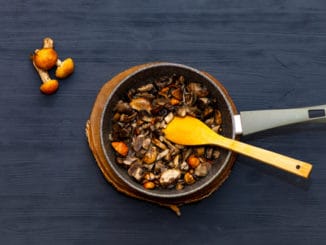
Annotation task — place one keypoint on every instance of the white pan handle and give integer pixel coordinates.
(249, 122)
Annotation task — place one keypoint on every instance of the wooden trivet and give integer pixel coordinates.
(94, 140)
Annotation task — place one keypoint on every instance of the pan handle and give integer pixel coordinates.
(249, 122)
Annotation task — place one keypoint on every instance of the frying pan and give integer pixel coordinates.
(234, 125)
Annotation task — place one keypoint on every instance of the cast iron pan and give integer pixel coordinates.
(222, 165)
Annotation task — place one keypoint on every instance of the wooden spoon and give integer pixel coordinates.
(191, 131)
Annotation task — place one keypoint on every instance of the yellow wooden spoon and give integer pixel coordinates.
(191, 131)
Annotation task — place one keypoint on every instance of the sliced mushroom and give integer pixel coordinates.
(146, 95)
(179, 186)
(209, 152)
(204, 101)
(146, 88)
(169, 176)
(124, 133)
(163, 82)
(198, 89)
(127, 118)
(200, 150)
(169, 117)
(216, 128)
(137, 142)
(122, 107)
(208, 111)
(146, 143)
(181, 79)
(173, 148)
(184, 166)
(186, 153)
(145, 116)
(159, 167)
(177, 93)
(149, 176)
(218, 117)
(189, 178)
(141, 104)
(151, 155)
(216, 154)
(189, 99)
(129, 160)
(136, 171)
(209, 121)
(159, 144)
(162, 154)
(182, 111)
(175, 163)
(202, 169)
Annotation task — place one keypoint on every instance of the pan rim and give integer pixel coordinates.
(135, 186)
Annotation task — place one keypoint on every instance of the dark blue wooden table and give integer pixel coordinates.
(268, 54)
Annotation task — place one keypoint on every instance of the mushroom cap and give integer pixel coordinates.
(65, 68)
(45, 58)
(50, 87)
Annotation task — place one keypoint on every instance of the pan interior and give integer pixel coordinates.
(144, 76)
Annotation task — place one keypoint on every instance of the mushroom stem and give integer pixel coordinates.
(44, 75)
(48, 42)
(59, 62)
(49, 86)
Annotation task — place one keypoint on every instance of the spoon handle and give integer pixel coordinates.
(289, 164)
(249, 122)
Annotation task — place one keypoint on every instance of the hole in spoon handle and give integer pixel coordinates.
(316, 113)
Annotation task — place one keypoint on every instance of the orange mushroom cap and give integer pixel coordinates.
(50, 86)
(65, 68)
(45, 58)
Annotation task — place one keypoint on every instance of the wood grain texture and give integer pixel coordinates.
(268, 54)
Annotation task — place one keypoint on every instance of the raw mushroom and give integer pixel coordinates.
(65, 68)
(49, 86)
(45, 58)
